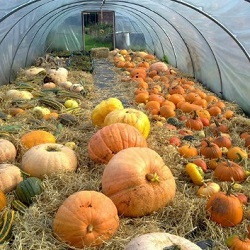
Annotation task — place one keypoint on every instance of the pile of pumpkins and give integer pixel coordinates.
(135, 180)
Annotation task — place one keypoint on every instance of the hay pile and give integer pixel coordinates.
(184, 217)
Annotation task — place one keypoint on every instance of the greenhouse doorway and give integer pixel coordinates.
(98, 29)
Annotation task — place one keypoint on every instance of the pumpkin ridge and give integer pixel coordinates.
(112, 139)
(102, 156)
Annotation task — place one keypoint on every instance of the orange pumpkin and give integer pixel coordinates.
(167, 111)
(194, 123)
(210, 150)
(36, 137)
(3, 200)
(153, 107)
(139, 72)
(134, 178)
(188, 151)
(142, 97)
(111, 139)
(156, 97)
(247, 142)
(229, 171)
(177, 89)
(225, 209)
(238, 243)
(86, 219)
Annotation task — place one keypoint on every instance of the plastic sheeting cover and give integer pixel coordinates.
(209, 40)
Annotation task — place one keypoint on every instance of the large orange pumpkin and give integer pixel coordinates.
(138, 182)
(111, 139)
(86, 218)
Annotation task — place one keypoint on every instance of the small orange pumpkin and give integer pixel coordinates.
(36, 137)
(188, 151)
(210, 150)
(229, 171)
(194, 122)
(225, 209)
(235, 242)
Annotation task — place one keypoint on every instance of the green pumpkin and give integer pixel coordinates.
(27, 189)
(174, 121)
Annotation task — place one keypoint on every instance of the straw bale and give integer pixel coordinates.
(101, 52)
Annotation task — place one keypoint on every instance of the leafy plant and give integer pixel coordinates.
(165, 59)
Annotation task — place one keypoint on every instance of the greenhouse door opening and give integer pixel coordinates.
(98, 29)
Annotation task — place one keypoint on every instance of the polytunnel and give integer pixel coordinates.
(207, 39)
(124, 124)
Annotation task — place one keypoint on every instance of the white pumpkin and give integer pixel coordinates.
(66, 84)
(48, 158)
(10, 176)
(15, 94)
(158, 241)
(33, 71)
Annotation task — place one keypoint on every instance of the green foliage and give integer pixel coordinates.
(165, 59)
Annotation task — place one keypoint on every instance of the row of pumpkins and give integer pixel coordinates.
(120, 144)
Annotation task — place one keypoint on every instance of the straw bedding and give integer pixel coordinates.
(185, 216)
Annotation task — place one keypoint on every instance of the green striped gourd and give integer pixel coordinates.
(6, 227)
(28, 189)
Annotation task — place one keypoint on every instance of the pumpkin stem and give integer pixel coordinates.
(208, 142)
(53, 148)
(216, 123)
(229, 163)
(153, 177)
(195, 117)
(24, 174)
(90, 228)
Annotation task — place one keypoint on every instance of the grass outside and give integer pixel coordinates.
(96, 42)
